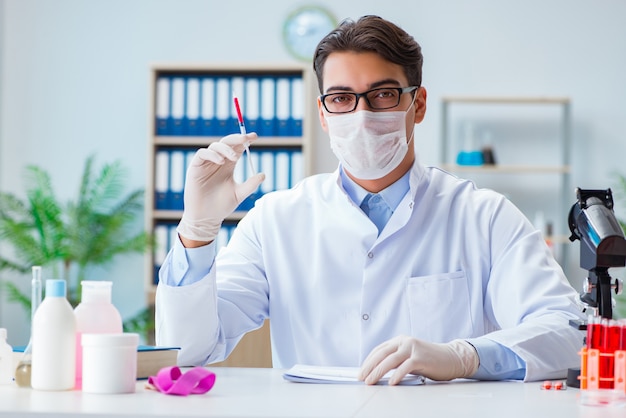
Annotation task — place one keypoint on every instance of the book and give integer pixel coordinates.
(150, 359)
(301, 373)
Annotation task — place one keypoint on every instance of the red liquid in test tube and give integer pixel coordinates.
(594, 333)
(622, 344)
(610, 343)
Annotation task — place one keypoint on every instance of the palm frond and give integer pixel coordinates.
(14, 294)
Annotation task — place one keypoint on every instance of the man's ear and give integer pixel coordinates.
(420, 104)
(320, 110)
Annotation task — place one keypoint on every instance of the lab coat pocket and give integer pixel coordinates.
(439, 307)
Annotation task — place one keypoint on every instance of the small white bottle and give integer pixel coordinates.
(6, 359)
(54, 341)
(95, 314)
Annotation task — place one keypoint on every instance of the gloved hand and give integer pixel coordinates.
(436, 361)
(211, 193)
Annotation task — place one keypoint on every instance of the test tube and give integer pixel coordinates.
(622, 344)
(610, 343)
(594, 332)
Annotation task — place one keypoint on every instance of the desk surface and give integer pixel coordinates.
(240, 392)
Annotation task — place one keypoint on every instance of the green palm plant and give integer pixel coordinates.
(70, 237)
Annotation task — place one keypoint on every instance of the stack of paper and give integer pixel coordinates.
(319, 374)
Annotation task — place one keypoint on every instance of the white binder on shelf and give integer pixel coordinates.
(223, 106)
(192, 116)
(297, 105)
(268, 106)
(251, 104)
(207, 107)
(237, 89)
(161, 179)
(297, 167)
(281, 164)
(178, 106)
(267, 167)
(283, 107)
(177, 179)
(161, 239)
(162, 106)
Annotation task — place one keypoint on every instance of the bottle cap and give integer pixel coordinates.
(96, 291)
(55, 288)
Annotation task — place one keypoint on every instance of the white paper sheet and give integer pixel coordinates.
(348, 375)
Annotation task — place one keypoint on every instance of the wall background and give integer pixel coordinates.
(74, 81)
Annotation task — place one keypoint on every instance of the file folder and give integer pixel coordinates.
(268, 167)
(281, 166)
(297, 167)
(178, 106)
(268, 106)
(207, 107)
(237, 89)
(297, 105)
(161, 179)
(161, 240)
(192, 115)
(223, 106)
(252, 104)
(162, 107)
(283, 107)
(177, 179)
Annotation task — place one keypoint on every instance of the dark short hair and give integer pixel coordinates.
(372, 34)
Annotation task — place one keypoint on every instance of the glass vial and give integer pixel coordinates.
(22, 373)
(6, 359)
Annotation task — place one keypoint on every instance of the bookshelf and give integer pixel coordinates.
(529, 138)
(191, 105)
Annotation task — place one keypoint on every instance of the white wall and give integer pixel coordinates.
(74, 79)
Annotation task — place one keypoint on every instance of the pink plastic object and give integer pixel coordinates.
(171, 381)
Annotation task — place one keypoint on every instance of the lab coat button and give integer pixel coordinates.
(411, 205)
(365, 317)
(370, 255)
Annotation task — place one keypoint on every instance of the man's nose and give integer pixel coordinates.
(362, 104)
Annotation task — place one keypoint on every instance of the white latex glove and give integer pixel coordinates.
(211, 193)
(409, 355)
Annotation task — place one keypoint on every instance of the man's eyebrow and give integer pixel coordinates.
(374, 85)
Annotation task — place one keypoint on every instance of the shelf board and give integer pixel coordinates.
(500, 168)
(198, 141)
(175, 215)
(506, 100)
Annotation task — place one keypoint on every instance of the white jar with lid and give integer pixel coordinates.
(109, 362)
(95, 314)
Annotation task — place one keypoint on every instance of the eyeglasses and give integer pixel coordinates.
(377, 99)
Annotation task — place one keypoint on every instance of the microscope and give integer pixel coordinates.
(602, 245)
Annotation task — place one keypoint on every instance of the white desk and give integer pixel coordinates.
(264, 393)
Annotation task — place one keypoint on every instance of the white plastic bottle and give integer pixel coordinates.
(6, 359)
(95, 314)
(54, 341)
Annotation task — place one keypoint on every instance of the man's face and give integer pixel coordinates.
(360, 72)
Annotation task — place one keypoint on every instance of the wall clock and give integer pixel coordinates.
(304, 28)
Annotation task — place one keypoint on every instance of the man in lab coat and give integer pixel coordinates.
(384, 264)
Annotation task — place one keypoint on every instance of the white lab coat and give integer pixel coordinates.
(453, 261)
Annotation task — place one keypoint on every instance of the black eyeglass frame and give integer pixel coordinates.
(400, 90)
